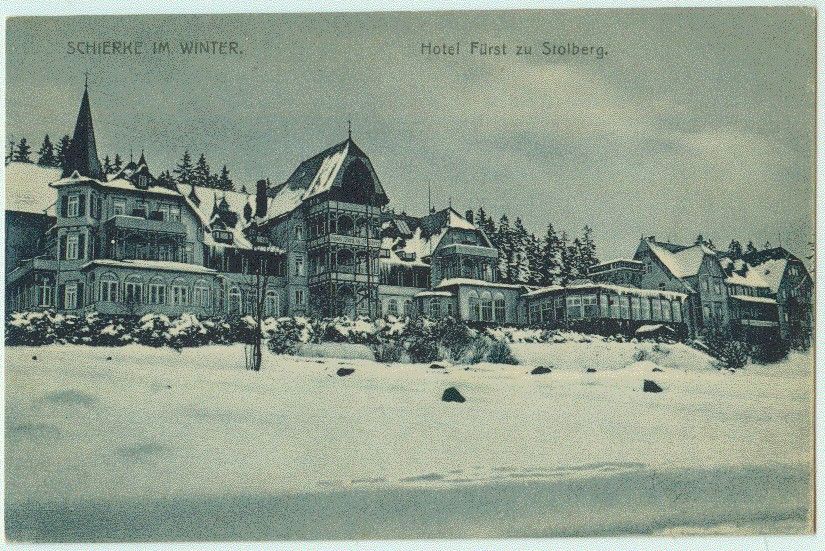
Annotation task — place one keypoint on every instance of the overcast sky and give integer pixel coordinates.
(696, 121)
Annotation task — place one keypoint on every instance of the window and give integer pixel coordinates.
(119, 206)
(547, 311)
(656, 309)
(72, 248)
(486, 304)
(706, 312)
(71, 296)
(717, 288)
(559, 304)
(132, 290)
(645, 314)
(44, 293)
(624, 306)
(392, 307)
(676, 307)
(473, 305)
(500, 310)
(179, 292)
(574, 307)
(299, 296)
(299, 266)
(435, 308)
(299, 233)
(200, 294)
(156, 291)
(605, 305)
(591, 306)
(73, 206)
(635, 308)
(234, 300)
(108, 288)
(143, 181)
(666, 310)
(705, 285)
(614, 307)
(719, 312)
(174, 213)
(408, 308)
(250, 305)
(534, 314)
(662, 286)
(648, 266)
(272, 305)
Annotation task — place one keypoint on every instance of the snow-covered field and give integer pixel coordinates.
(156, 444)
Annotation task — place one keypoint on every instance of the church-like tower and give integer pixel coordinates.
(81, 156)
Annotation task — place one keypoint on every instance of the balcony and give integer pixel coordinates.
(153, 222)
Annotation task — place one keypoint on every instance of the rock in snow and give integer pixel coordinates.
(591, 369)
(657, 369)
(437, 366)
(651, 386)
(453, 395)
(344, 371)
(540, 370)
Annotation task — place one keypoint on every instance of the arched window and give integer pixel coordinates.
(435, 308)
(486, 306)
(472, 300)
(179, 292)
(499, 308)
(272, 303)
(108, 287)
(234, 305)
(392, 307)
(156, 291)
(249, 305)
(200, 294)
(132, 289)
(408, 308)
(362, 226)
(345, 225)
(676, 306)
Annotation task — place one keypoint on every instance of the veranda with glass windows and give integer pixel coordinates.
(630, 307)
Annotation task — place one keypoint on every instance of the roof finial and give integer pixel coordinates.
(130, 155)
(86, 83)
(349, 129)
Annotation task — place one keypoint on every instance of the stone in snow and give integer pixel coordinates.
(651, 386)
(591, 369)
(34, 357)
(657, 369)
(344, 371)
(540, 370)
(437, 366)
(453, 395)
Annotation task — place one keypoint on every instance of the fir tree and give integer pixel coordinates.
(550, 262)
(23, 153)
(201, 176)
(117, 164)
(567, 254)
(519, 261)
(575, 260)
(184, 170)
(165, 180)
(61, 150)
(224, 181)
(749, 248)
(735, 249)
(45, 156)
(107, 165)
(504, 244)
(10, 155)
(485, 223)
(767, 245)
(586, 252)
(534, 249)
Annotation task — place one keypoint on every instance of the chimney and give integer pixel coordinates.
(260, 199)
(469, 216)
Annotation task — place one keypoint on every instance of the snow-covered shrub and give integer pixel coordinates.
(479, 349)
(30, 329)
(187, 331)
(455, 337)
(287, 334)
(151, 330)
(500, 353)
(770, 349)
(640, 355)
(388, 351)
(356, 331)
(729, 353)
(419, 341)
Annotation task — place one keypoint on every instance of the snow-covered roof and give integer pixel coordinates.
(607, 262)
(684, 262)
(746, 298)
(476, 282)
(27, 187)
(652, 328)
(619, 289)
(424, 294)
(117, 183)
(771, 272)
(151, 265)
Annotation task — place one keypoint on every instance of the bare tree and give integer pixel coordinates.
(259, 271)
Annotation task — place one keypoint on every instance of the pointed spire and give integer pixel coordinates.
(142, 160)
(349, 130)
(82, 153)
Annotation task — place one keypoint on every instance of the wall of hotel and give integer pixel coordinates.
(290, 234)
(403, 297)
(465, 293)
(25, 236)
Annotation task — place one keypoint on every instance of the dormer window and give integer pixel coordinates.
(143, 181)
(299, 233)
(119, 207)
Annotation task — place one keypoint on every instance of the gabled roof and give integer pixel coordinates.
(681, 261)
(81, 156)
(322, 173)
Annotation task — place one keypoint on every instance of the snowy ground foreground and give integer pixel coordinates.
(156, 444)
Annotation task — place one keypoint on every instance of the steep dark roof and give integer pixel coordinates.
(82, 153)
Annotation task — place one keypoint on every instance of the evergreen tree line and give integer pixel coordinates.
(49, 154)
(553, 259)
(735, 249)
(186, 172)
